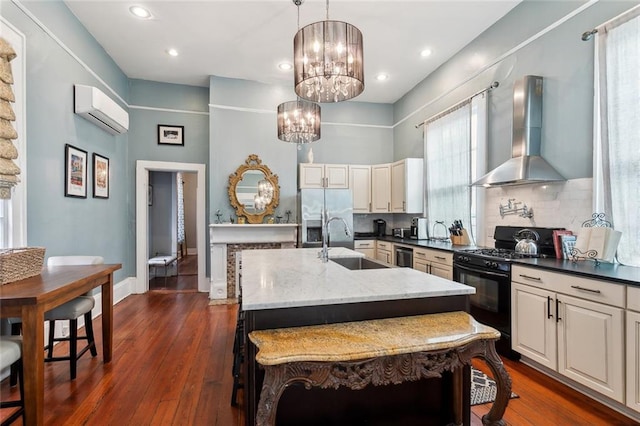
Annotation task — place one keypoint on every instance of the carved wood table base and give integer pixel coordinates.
(385, 370)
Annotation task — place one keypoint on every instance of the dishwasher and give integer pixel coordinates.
(404, 257)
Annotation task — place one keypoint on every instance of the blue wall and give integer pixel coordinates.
(560, 56)
(232, 118)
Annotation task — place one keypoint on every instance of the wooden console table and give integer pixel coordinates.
(378, 352)
(31, 298)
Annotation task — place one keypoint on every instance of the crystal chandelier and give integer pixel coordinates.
(328, 61)
(298, 121)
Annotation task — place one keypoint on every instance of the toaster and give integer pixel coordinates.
(401, 232)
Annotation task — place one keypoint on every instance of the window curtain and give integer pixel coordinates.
(447, 141)
(616, 129)
(180, 188)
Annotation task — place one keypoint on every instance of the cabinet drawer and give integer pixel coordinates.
(633, 298)
(383, 245)
(584, 288)
(364, 244)
(436, 256)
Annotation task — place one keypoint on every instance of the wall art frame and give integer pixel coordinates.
(170, 135)
(101, 179)
(75, 172)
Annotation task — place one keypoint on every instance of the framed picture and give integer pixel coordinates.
(75, 172)
(100, 176)
(150, 195)
(170, 135)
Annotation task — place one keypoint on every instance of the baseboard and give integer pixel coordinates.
(192, 251)
(614, 405)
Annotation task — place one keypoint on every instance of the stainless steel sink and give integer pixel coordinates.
(357, 263)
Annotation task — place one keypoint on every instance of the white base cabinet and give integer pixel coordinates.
(633, 348)
(574, 334)
(366, 247)
(434, 262)
(384, 252)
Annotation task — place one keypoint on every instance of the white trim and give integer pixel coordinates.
(50, 33)
(182, 111)
(324, 123)
(142, 243)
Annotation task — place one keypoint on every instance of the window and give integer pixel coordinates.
(616, 153)
(13, 212)
(454, 157)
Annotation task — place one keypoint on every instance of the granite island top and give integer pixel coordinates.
(286, 278)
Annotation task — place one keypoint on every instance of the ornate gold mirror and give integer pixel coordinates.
(253, 190)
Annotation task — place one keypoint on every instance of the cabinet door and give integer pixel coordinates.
(590, 345)
(533, 324)
(633, 360)
(336, 176)
(360, 184)
(420, 265)
(383, 256)
(381, 188)
(311, 175)
(443, 271)
(398, 189)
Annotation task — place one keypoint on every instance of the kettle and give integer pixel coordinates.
(527, 241)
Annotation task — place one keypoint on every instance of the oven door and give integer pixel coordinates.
(491, 303)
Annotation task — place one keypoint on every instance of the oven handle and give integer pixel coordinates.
(494, 274)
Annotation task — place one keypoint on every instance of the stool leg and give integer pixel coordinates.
(88, 327)
(52, 331)
(73, 347)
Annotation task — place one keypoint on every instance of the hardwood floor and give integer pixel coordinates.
(186, 280)
(172, 365)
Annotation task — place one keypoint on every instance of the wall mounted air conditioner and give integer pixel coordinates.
(92, 104)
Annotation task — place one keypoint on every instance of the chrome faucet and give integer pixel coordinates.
(324, 253)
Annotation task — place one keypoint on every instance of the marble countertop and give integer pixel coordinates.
(286, 278)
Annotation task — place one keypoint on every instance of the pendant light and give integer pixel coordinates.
(328, 61)
(299, 120)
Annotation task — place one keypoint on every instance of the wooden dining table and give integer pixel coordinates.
(30, 298)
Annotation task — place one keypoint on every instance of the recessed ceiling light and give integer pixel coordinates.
(140, 12)
(425, 53)
(382, 77)
(285, 66)
(172, 52)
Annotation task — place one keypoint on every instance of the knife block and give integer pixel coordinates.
(460, 240)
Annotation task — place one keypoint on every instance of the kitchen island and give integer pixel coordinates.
(293, 287)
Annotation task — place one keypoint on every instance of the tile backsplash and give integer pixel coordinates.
(558, 205)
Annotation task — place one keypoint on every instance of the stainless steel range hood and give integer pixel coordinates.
(526, 165)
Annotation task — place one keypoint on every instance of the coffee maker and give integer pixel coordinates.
(419, 228)
(379, 227)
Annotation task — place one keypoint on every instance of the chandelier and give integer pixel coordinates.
(328, 61)
(298, 121)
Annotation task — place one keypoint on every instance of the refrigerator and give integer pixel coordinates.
(339, 203)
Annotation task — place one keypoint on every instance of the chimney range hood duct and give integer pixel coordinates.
(526, 165)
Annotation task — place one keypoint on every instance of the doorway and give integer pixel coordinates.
(143, 194)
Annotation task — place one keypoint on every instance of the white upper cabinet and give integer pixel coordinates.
(381, 188)
(407, 186)
(324, 176)
(360, 184)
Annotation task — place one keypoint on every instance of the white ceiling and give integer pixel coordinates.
(247, 39)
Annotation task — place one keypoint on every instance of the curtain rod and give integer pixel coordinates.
(493, 86)
(628, 15)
